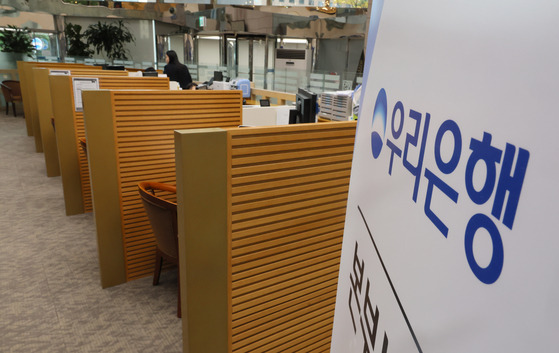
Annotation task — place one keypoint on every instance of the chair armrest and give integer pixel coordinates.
(158, 186)
(7, 87)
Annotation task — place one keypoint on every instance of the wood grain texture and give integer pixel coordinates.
(144, 123)
(45, 112)
(108, 82)
(28, 89)
(288, 196)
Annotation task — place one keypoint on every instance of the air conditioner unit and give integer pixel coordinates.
(298, 59)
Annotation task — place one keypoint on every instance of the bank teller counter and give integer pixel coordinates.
(129, 140)
(261, 213)
(28, 89)
(45, 123)
(68, 111)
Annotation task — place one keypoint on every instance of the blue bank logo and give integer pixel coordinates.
(379, 123)
(505, 167)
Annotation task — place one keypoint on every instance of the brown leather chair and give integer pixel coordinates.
(12, 93)
(162, 215)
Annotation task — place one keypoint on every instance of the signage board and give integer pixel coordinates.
(80, 84)
(450, 242)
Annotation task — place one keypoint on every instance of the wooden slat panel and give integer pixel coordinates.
(288, 195)
(108, 82)
(298, 334)
(25, 71)
(145, 124)
(279, 311)
(304, 313)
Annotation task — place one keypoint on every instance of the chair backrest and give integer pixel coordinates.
(83, 144)
(14, 88)
(162, 215)
(6, 92)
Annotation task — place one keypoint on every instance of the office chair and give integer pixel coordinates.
(162, 215)
(12, 93)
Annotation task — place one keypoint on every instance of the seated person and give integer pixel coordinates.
(191, 86)
(176, 71)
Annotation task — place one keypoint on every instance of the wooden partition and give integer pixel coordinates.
(261, 215)
(40, 92)
(45, 113)
(73, 162)
(130, 139)
(28, 90)
(281, 97)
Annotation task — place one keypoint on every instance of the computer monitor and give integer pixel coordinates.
(150, 73)
(218, 76)
(114, 67)
(305, 104)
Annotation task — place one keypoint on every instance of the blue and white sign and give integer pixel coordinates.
(452, 234)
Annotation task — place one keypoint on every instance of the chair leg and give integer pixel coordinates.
(157, 271)
(179, 310)
(7, 108)
(14, 108)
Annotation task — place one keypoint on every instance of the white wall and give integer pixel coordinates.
(208, 52)
(32, 20)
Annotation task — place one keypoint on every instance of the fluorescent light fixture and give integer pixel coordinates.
(210, 37)
(292, 41)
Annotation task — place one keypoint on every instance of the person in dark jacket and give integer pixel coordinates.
(176, 71)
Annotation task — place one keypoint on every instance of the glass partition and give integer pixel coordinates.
(330, 64)
(188, 1)
(310, 3)
(243, 2)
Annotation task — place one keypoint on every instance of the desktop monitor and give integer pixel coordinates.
(305, 105)
(218, 76)
(114, 67)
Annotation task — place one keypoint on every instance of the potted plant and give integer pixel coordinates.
(17, 42)
(109, 38)
(75, 46)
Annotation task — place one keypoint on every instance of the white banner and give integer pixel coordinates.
(452, 231)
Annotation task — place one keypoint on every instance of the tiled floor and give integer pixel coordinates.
(51, 299)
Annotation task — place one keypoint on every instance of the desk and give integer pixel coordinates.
(254, 115)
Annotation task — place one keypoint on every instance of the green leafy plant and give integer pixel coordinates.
(16, 40)
(75, 45)
(109, 38)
